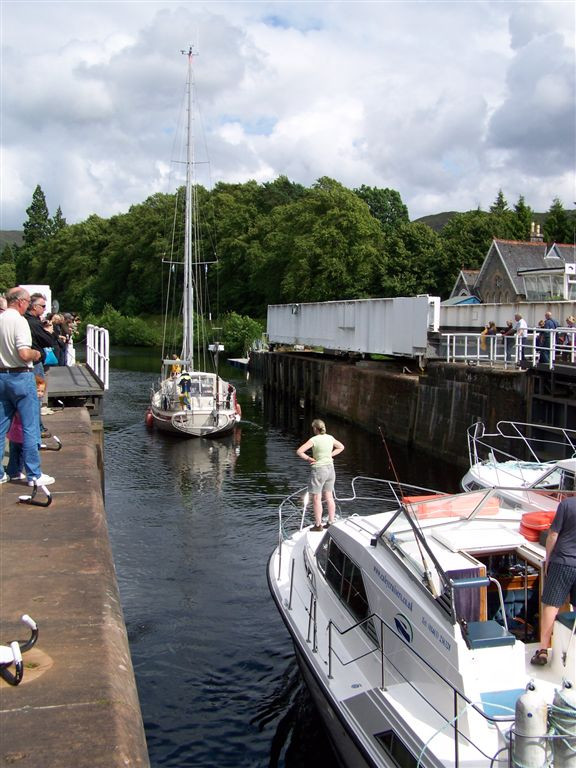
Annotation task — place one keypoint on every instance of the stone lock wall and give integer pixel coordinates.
(431, 410)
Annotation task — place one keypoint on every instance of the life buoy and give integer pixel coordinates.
(533, 523)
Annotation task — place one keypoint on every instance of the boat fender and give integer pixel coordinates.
(562, 721)
(149, 418)
(530, 729)
(238, 409)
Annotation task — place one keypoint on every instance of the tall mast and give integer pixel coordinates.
(190, 224)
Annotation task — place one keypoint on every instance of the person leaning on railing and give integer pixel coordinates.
(18, 386)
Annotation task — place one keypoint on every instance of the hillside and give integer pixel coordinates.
(436, 221)
(10, 237)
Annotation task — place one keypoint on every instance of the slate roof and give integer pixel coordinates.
(470, 276)
(465, 282)
(517, 255)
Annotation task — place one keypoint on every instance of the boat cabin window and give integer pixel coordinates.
(345, 578)
(560, 479)
(206, 386)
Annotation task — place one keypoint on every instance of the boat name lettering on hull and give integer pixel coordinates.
(437, 634)
(393, 588)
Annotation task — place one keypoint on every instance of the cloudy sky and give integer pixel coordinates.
(446, 102)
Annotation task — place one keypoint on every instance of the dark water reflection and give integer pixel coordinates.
(192, 524)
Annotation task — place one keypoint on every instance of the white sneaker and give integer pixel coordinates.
(4, 478)
(17, 478)
(42, 480)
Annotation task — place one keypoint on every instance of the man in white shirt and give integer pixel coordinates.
(521, 328)
(18, 385)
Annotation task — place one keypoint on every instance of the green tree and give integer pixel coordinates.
(412, 262)
(524, 219)
(281, 191)
(58, 222)
(236, 217)
(37, 227)
(131, 271)
(329, 247)
(500, 205)
(558, 227)
(385, 205)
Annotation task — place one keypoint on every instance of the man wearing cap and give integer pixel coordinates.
(18, 386)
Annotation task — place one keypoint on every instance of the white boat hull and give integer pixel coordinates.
(187, 424)
(401, 672)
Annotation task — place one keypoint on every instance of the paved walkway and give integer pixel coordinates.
(77, 706)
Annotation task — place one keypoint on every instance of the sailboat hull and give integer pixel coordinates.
(205, 407)
(189, 424)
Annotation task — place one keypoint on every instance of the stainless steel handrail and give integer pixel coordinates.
(98, 353)
(507, 350)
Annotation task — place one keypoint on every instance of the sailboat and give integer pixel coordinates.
(188, 402)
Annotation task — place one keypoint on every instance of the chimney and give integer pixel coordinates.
(535, 235)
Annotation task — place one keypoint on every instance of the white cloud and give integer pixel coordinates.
(445, 102)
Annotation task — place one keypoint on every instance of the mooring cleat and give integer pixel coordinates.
(57, 447)
(31, 499)
(11, 655)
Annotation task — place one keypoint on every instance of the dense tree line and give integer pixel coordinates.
(268, 243)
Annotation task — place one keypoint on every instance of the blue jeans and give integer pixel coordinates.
(15, 460)
(18, 393)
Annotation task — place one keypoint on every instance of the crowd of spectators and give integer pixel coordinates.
(32, 341)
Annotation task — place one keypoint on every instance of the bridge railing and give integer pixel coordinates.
(509, 351)
(98, 353)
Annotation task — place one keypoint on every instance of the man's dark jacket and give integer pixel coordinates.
(40, 336)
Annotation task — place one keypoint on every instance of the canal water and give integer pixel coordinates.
(192, 524)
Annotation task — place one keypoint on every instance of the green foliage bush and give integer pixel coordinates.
(239, 332)
(127, 331)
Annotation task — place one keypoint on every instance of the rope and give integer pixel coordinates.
(562, 722)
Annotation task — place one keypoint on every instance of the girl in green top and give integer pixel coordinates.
(322, 475)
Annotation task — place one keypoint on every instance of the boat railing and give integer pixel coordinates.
(384, 495)
(98, 353)
(458, 696)
(483, 446)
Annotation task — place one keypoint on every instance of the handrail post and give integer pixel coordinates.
(310, 618)
(382, 667)
(456, 755)
(315, 629)
(330, 649)
(291, 584)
